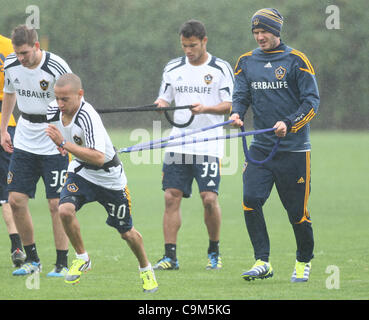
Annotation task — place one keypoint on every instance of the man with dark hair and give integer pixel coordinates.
(16, 250)
(206, 82)
(30, 74)
(279, 83)
(23, 35)
(193, 28)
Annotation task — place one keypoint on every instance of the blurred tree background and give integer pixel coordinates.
(119, 47)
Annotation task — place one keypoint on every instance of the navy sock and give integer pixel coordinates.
(15, 242)
(62, 258)
(213, 246)
(31, 253)
(171, 250)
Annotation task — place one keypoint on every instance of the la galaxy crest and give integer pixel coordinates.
(208, 79)
(72, 187)
(10, 177)
(77, 140)
(280, 72)
(44, 85)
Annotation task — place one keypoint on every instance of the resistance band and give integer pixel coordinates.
(166, 142)
(153, 107)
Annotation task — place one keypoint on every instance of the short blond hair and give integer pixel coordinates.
(69, 79)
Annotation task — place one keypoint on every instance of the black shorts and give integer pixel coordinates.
(179, 170)
(4, 168)
(26, 168)
(117, 203)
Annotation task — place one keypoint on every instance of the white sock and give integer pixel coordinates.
(146, 268)
(83, 256)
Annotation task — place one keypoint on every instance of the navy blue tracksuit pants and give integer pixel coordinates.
(290, 172)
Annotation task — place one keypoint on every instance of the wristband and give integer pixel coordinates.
(62, 144)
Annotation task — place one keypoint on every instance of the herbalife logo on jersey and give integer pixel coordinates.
(34, 94)
(269, 85)
(193, 89)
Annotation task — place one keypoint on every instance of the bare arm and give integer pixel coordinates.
(161, 103)
(7, 108)
(88, 155)
(221, 108)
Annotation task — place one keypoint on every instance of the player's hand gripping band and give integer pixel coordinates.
(153, 107)
(164, 142)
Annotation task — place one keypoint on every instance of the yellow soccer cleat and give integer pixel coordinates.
(301, 272)
(149, 281)
(74, 274)
(260, 270)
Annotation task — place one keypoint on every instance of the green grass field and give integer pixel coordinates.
(338, 207)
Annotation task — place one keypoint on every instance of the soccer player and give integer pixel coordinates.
(16, 250)
(279, 83)
(206, 82)
(95, 174)
(30, 74)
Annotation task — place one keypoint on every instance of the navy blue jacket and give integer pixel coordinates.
(279, 85)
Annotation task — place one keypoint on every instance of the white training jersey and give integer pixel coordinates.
(87, 130)
(34, 89)
(209, 84)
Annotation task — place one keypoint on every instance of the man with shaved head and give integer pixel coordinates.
(95, 174)
(69, 79)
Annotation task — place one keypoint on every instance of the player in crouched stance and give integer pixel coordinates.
(95, 174)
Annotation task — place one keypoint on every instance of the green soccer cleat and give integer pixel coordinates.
(166, 263)
(149, 281)
(74, 274)
(301, 272)
(260, 270)
(214, 261)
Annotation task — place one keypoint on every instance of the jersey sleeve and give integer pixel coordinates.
(53, 112)
(93, 129)
(166, 89)
(8, 86)
(10, 61)
(309, 94)
(227, 83)
(241, 98)
(57, 66)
